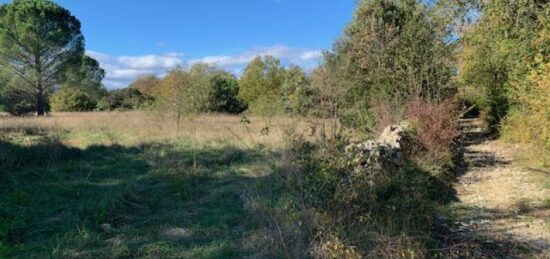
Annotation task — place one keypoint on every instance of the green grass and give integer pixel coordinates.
(149, 200)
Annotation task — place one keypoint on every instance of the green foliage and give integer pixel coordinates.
(269, 88)
(123, 99)
(504, 65)
(18, 102)
(261, 85)
(529, 123)
(223, 94)
(18, 107)
(337, 94)
(498, 53)
(38, 39)
(360, 210)
(184, 92)
(297, 94)
(202, 88)
(85, 75)
(392, 51)
(72, 100)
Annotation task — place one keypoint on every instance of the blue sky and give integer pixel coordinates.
(135, 37)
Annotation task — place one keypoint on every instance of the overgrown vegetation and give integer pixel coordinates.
(172, 178)
(333, 209)
(503, 63)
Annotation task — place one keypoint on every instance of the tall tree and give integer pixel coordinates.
(391, 52)
(399, 49)
(38, 39)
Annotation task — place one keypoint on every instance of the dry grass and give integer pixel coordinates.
(127, 128)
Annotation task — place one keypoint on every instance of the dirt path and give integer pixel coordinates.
(503, 206)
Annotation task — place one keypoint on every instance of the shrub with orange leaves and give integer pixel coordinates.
(433, 128)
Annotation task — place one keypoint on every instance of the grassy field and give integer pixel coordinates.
(133, 185)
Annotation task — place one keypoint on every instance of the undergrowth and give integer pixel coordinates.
(322, 207)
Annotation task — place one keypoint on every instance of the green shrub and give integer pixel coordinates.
(71, 100)
(529, 123)
(350, 211)
(123, 99)
(20, 106)
(223, 94)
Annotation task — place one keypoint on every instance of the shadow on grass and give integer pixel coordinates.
(152, 200)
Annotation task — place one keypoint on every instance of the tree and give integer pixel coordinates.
(147, 85)
(505, 63)
(399, 49)
(391, 52)
(261, 85)
(174, 94)
(38, 39)
(296, 91)
(223, 94)
(86, 75)
(499, 52)
(201, 88)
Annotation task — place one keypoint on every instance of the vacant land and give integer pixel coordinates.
(132, 184)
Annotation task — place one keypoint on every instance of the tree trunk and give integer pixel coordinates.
(40, 104)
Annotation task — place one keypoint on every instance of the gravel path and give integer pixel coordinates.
(504, 206)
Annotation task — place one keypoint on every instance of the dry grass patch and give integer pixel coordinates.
(128, 128)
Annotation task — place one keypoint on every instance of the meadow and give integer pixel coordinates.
(130, 184)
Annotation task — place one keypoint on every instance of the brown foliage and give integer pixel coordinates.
(435, 129)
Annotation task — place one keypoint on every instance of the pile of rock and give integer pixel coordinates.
(383, 153)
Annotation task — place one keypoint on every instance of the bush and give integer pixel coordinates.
(223, 94)
(123, 99)
(20, 106)
(529, 124)
(262, 84)
(71, 100)
(339, 210)
(433, 127)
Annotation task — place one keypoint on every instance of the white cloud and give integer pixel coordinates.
(150, 61)
(304, 57)
(122, 70)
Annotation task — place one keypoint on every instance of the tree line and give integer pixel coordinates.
(489, 55)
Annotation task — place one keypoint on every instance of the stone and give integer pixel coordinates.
(106, 227)
(385, 152)
(176, 233)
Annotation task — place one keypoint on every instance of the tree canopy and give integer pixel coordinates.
(38, 39)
